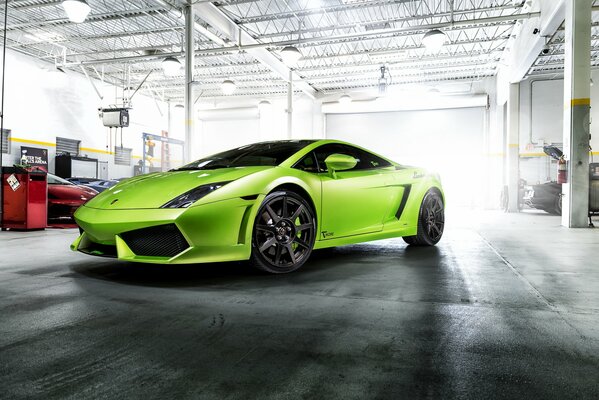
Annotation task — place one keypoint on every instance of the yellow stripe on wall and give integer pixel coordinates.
(580, 102)
(49, 144)
(96, 150)
(29, 141)
(533, 155)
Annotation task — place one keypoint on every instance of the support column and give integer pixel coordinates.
(577, 93)
(290, 106)
(189, 63)
(512, 151)
(169, 122)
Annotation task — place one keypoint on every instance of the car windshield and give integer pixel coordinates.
(257, 154)
(56, 180)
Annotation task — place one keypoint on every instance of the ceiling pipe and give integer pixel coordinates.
(112, 15)
(189, 71)
(312, 40)
(390, 21)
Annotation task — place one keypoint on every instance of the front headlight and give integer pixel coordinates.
(188, 198)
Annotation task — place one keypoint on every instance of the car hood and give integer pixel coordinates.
(156, 189)
(70, 192)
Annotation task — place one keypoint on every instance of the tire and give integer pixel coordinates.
(558, 205)
(431, 221)
(284, 233)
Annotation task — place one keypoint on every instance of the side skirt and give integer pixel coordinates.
(403, 231)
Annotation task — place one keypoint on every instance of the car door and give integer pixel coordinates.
(355, 201)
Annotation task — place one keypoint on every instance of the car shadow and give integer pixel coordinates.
(333, 264)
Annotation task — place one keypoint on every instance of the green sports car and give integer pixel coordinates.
(271, 203)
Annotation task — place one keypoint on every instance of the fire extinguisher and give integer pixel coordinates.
(562, 170)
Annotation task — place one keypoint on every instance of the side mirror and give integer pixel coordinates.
(339, 162)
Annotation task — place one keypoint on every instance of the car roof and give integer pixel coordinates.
(314, 143)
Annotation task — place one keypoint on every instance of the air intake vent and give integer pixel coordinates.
(67, 146)
(156, 241)
(122, 155)
(6, 141)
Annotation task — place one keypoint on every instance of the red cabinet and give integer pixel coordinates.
(24, 199)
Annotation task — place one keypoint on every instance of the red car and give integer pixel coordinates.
(64, 198)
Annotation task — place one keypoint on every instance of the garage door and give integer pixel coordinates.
(220, 135)
(447, 141)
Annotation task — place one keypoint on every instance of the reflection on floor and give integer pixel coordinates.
(506, 306)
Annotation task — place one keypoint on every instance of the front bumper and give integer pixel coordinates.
(212, 232)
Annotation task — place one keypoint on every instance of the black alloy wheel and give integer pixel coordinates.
(284, 233)
(431, 221)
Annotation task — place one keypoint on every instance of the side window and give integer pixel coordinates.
(365, 159)
(370, 160)
(308, 163)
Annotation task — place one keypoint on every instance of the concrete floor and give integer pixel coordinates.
(507, 306)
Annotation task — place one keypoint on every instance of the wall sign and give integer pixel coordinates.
(36, 157)
(13, 182)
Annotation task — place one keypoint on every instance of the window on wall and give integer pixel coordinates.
(67, 146)
(122, 155)
(6, 141)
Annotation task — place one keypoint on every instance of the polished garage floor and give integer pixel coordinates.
(507, 307)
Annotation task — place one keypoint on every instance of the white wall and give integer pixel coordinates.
(541, 122)
(478, 136)
(231, 122)
(41, 105)
(447, 141)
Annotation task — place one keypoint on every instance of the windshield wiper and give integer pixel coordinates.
(215, 166)
(184, 169)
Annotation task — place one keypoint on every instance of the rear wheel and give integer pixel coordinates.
(284, 233)
(431, 221)
(558, 205)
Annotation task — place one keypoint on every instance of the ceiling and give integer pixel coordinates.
(343, 42)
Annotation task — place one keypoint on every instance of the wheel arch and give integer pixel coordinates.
(300, 191)
(438, 191)
(276, 190)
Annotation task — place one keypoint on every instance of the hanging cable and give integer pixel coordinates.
(2, 101)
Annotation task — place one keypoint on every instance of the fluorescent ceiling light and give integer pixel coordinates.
(388, 56)
(76, 10)
(171, 66)
(345, 99)
(290, 55)
(228, 86)
(43, 36)
(314, 3)
(212, 36)
(433, 40)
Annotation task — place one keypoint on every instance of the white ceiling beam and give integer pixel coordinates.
(210, 14)
(527, 46)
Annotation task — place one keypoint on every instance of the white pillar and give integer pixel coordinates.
(512, 151)
(189, 63)
(290, 106)
(169, 124)
(577, 93)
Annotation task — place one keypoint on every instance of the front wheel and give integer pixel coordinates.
(284, 233)
(431, 221)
